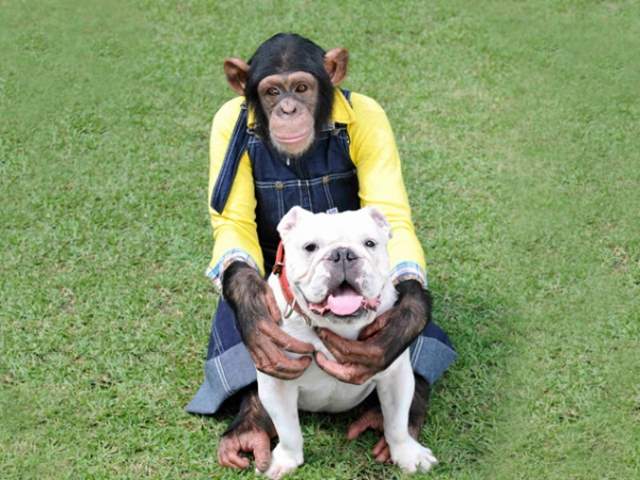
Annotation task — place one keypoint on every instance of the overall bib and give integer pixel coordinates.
(323, 180)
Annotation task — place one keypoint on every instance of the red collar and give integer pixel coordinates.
(280, 270)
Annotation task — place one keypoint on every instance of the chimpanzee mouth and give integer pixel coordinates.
(344, 301)
(292, 137)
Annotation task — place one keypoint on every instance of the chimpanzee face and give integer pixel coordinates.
(289, 84)
(289, 103)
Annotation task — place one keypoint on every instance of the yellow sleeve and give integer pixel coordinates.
(235, 233)
(375, 155)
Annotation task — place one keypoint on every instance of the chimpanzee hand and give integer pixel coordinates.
(258, 317)
(382, 341)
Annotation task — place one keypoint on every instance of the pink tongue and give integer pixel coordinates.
(344, 301)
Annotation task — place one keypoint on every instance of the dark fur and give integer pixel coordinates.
(245, 290)
(410, 317)
(288, 52)
(419, 405)
(252, 415)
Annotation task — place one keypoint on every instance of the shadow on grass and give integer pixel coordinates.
(465, 403)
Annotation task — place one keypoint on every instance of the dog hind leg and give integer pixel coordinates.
(395, 392)
(371, 417)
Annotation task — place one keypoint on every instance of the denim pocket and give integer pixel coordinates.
(270, 203)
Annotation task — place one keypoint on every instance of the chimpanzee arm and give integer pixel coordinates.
(234, 229)
(375, 155)
(258, 316)
(381, 342)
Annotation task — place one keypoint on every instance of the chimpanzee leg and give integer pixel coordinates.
(228, 367)
(252, 415)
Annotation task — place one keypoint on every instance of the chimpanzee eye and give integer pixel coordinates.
(310, 247)
(302, 88)
(273, 91)
(370, 244)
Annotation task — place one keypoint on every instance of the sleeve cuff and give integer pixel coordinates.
(409, 271)
(216, 272)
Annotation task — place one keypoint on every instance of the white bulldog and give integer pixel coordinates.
(336, 275)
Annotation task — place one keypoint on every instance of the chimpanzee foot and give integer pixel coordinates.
(250, 432)
(372, 419)
(252, 441)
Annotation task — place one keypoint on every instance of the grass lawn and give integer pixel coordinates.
(519, 128)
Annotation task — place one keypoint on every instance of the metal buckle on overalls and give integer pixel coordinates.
(328, 127)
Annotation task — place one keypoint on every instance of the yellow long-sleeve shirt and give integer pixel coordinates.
(375, 156)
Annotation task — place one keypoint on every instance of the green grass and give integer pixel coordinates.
(519, 126)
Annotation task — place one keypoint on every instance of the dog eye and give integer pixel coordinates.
(370, 244)
(310, 247)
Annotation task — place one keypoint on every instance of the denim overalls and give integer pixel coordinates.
(323, 180)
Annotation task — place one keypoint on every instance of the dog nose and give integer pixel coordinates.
(342, 255)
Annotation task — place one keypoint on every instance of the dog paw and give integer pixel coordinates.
(410, 456)
(282, 462)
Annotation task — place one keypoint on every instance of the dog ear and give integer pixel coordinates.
(291, 219)
(380, 220)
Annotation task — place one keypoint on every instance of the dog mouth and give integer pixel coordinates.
(344, 301)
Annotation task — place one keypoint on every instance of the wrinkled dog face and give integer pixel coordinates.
(337, 264)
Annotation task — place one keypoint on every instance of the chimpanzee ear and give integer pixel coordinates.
(290, 220)
(237, 72)
(380, 220)
(335, 63)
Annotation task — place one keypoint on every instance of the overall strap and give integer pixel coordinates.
(347, 94)
(237, 146)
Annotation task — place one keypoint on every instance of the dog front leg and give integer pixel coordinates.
(280, 400)
(395, 391)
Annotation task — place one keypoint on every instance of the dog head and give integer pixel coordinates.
(337, 264)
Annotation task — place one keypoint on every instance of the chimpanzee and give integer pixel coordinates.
(293, 137)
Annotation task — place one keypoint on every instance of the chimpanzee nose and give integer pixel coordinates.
(342, 255)
(288, 107)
